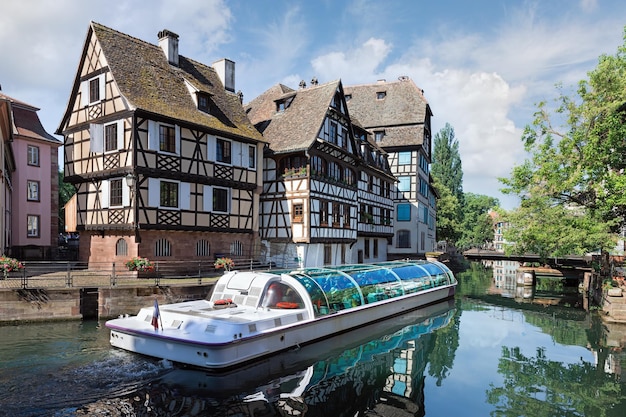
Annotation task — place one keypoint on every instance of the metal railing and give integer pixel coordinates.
(75, 274)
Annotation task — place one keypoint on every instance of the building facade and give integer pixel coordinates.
(164, 160)
(31, 199)
(324, 183)
(399, 117)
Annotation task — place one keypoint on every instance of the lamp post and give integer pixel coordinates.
(131, 182)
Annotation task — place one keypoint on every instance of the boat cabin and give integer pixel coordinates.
(330, 289)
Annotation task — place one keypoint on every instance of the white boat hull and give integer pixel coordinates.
(167, 344)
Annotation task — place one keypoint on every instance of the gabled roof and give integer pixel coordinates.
(402, 112)
(296, 128)
(26, 121)
(150, 83)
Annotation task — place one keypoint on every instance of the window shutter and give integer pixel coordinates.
(210, 148)
(236, 154)
(185, 196)
(177, 138)
(84, 93)
(207, 198)
(120, 134)
(102, 87)
(96, 133)
(104, 194)
(153, 135)
(154, 192)
(125, 194)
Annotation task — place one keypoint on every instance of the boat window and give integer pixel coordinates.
(281, 295)
(377, 284)
(340, 290)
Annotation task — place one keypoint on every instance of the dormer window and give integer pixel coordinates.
(379, 135)
(280, 106)
(348, 97)
(380, 95)
(203, 102)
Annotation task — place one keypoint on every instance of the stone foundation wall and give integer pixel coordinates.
(38, 305)
(35, 305)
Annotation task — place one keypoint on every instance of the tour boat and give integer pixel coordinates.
(252, 314)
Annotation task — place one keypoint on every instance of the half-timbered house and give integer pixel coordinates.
(318, 189)
(398, 116)
(165, 162)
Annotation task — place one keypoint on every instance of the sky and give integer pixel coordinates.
(483, 64)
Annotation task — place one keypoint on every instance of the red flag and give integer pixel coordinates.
(155, 315)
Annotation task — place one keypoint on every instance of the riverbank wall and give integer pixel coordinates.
(38, 305)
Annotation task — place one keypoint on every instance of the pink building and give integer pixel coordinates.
(33, 212)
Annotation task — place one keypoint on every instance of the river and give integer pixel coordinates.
(489, 351)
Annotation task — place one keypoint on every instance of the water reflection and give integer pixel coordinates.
(376, 368)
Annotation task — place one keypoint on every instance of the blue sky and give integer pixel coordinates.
(483, 64)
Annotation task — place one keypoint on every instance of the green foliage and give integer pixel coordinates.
(572, 186)
(448, 213)
(66, 191)
(477, 226)
(446, 166)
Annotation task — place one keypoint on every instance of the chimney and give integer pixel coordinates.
(168, 41)
(225, 69)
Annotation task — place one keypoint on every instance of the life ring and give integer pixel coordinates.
(223, 302)
(286, 304)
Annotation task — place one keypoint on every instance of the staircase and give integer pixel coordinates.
(615, 307)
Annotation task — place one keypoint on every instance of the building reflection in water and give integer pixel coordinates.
(380, 367)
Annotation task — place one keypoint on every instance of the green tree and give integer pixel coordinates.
(448, 209)
(66, 191)
(572, 186)
(446, 164)
(447, 174)
(477, 226)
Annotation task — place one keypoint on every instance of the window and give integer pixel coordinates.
(404, 183)
(167, 138)
(236, 248)
(115, 192)
(121, 248)
(348, 176)
(422, 241)
(162, 247)
(110, 137)
(318, 166)
(32, 192)
(403, 239)
(94, 90)
(32, 225)
(333, 133)
(336, 214)
(403, 212)
(370, 183)
(328, 254)
(334, 171)
(252, 157)
(203, 248)
(379, 135)
(404, 158)
(381, 95)
(423, 187)
(298, 212)
(33, 155)
(348, 97)
(346, 215)
(169, 194)
(375, 248)
(203, 102)
(220, 200)
(222, 151)
(323, 213)
(366, 248)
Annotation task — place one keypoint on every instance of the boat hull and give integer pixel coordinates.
(176, 346)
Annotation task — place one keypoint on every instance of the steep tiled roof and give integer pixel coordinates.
(27, 121)
(401, 113)
(149, 82)
(295, 128)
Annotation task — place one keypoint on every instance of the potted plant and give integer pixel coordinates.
(139, 264)
(225, 263)
(9, 265)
